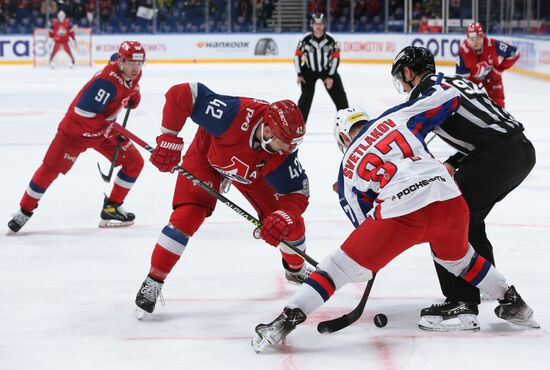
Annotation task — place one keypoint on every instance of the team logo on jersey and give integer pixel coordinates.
(69, 157)
(116, 77)
(246, 124)
(416, 186)
(236, 171)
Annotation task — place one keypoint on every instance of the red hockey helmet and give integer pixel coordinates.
(131, 50)
(286, 122)
(474, 29)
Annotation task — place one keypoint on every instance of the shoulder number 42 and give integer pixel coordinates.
(214, 108)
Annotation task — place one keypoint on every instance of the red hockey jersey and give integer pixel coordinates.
(495, 57)
(233, 151)
(98, 103)
(61, 31)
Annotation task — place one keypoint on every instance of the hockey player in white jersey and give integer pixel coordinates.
(397, 195)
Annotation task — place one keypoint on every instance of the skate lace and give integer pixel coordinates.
(151, 291)
(305, 272)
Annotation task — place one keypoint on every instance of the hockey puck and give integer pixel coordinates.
(380, 320)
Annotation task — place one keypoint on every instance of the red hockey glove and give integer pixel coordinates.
(133, 100)
(276, 227)
(167, 154)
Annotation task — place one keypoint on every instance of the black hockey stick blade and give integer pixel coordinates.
(339, 323)
(107, 178)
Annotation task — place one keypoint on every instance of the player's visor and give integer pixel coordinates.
(397, 83)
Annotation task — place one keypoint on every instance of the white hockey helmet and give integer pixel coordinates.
(344, 121)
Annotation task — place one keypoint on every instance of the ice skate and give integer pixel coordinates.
(513, 308)
(147, 295)
(297, 276)
(19, 219)
(450, 316)
(114, 215)
(277, 330)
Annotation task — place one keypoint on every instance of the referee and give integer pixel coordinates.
(317, 57)
(493, 158)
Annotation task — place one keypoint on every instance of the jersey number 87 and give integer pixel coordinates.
(374, 168)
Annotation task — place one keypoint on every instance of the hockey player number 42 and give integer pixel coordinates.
(213, 108)
(296, 169)
(374, 168)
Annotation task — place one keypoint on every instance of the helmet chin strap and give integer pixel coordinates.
(264, 143)
(410, 81)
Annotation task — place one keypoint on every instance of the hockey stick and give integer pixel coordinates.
(126, 133)
(339, 323)
(107, 177)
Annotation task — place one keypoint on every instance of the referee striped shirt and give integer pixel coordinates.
(479, 120)
(318, 55)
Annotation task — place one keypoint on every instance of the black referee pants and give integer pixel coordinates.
(485, 177)
(337, 93)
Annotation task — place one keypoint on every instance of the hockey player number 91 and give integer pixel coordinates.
(374, 168)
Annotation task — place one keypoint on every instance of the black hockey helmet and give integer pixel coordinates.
(417, 58)
(318, 18)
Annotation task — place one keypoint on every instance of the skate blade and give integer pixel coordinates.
(139, 313)
(114, 223)
(259, 343)
(436, 323)
(526, 323)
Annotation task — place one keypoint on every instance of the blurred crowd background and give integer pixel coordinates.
(166, 16)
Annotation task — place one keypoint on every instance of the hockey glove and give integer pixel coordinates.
(276, 227)
(133, 100)
(167, 154)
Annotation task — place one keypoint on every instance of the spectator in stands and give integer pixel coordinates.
(132, 8)
(75, 9)
(48, 8)
(90, 9)
(195, 8)
(244, 9)
(264, 11)
(163, 14)
(360, 8)
(317, 6)
(423, 26)
(105, 12)
(3, 14)
(36, 5)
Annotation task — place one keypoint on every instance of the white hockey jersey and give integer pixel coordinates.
(387, 170)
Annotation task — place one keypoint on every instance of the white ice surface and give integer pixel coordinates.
(67, 287)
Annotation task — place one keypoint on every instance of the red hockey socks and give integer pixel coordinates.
(42, 179)
(167, 252)
(298, 239)
(173, 239)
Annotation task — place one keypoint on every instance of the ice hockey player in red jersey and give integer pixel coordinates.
(61, 33)
(397, 195)
(85, 126)
(247, 142)
(482, 60)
